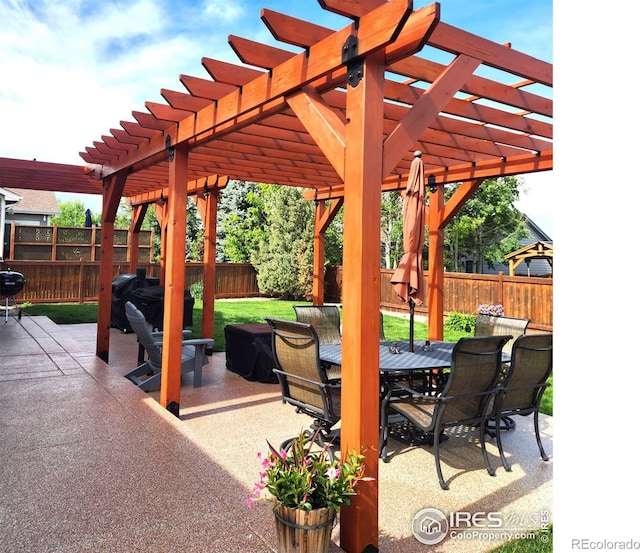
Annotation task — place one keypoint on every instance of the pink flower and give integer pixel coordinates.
(332, 473)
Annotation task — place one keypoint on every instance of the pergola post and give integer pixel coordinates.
(324, 214)
(137, 216)
(435, 279)
(113, 186)
(318, 255)
(361, 293)
(161, 209)
(174, 279)
(208, 210)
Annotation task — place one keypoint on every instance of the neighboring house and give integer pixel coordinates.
(34, 208)
(536, 267)
(29, 207)
(7, 199)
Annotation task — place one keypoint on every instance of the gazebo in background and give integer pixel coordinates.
(339, 112)
(537, 250)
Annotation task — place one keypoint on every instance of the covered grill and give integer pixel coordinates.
(11, 284)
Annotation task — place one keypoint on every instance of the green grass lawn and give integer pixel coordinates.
(233, 312)
(254, 311)
(542, 544)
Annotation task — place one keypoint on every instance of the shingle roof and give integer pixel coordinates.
(35, 201)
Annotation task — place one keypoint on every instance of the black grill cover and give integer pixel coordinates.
(150, 301)
(121, 289)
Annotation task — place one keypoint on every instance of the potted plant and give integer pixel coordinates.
(308, 487)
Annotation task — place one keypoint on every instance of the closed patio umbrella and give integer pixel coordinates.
(407, 278)
(87, 218)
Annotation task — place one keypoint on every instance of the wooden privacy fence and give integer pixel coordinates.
(72, 243)
(78, 282)
(522, 297)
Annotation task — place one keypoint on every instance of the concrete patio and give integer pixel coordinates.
(91, 463)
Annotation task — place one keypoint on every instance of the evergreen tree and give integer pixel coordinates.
(194, 239)
(334, 240)
(284, 258)
(240, 222)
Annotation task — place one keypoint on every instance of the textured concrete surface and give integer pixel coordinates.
(91, 463)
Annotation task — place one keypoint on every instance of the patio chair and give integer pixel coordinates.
(524, 385)
(303, 382)
(492, 325)
(470, 384)
(148, 374)
(325, 319)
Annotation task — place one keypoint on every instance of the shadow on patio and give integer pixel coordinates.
(93, 463)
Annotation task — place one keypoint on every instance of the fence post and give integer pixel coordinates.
(81, 281)
(93, 243)
(500, 299)
(54, 243)
(12, 241)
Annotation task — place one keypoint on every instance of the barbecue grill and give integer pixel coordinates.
(11, 283)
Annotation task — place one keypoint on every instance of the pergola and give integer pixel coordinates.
(339, 113)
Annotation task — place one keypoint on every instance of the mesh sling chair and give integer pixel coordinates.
(325, 319)
(303, 381)
(464, 400)
(148, 374)
(524, 385)
(492, 325)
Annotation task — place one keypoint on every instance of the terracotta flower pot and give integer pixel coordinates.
(304, 531)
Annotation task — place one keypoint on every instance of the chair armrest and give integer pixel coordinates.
(159, 333)
(332, 385)
(408, 389)
(191, 342)
(198, 342)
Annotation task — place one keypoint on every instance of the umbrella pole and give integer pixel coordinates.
(411, 306)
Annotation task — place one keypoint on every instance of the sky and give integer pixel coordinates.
(71, 71)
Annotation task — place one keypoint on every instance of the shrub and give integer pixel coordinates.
(196, 290)
(460, 321)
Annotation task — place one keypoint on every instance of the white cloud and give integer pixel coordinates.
(224, 10)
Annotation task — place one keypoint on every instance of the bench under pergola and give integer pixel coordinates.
(340, 113)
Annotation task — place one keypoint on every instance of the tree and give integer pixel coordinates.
(241, 222)
(487, 227)
(284, 258)
(334, 240)
(391, 229)
(194, 246)
(71, 214)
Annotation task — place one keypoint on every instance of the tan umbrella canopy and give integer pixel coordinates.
(407, 278)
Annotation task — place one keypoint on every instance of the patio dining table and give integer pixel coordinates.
(404, 361)
(397, 363)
